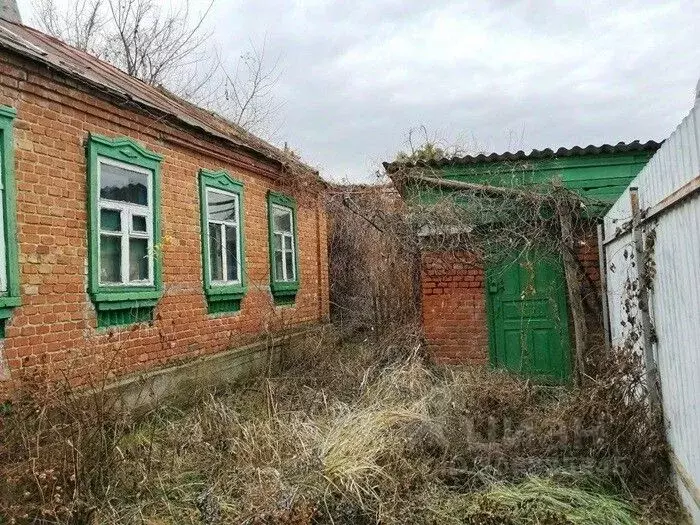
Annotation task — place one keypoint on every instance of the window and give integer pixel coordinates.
(284, 264)
(9, 269)
(224, 248)
(125, 273)
(283, 244)
(222, 241)
(126, 232)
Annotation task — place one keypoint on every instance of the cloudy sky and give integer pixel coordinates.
(490, 75)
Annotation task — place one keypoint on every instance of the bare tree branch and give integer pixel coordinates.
(248, 88)
(166, 46)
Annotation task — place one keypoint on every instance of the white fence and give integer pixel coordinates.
(670, 203)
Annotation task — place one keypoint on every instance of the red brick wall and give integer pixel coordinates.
(55, 328)
(587, 254)
(453, 308)
(453, 303)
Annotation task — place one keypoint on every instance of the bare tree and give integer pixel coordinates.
(80, 24)
(170, 47)
(248, 86)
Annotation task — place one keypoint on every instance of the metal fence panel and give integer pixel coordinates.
(675, 297)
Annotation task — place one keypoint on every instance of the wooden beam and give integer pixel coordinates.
(689, 189)
(573, 287)
(496, 191)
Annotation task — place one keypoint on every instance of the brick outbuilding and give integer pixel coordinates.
(514, 314)
(142, 233)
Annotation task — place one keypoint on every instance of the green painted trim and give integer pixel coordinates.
(221, 299)
(284, 300)
(224, 304)
(122, 295)
(126, 305)
(11, 298)
(8, 112)
(284, 292)
(530, 166)
(10, 301)
(125, 316)
(116, 298)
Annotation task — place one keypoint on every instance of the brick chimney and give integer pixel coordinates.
(9, 11)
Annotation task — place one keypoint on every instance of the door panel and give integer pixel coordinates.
(528, 316)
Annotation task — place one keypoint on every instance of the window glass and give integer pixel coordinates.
(110, 259)
(124, 185)
(216, 258)
(276, 241)
(138, 223)
(222, 207)
(231, 253)
(282, 220)
(289, 264)
(138, 259)
(110, 220)
(279, 263)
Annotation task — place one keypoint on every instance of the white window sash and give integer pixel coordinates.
(285, 234)
(222, 228)
(126, 211)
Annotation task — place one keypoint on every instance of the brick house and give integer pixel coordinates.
(472, 314)
(141, 235)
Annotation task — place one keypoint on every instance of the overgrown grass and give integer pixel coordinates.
(367, 433)
(535, 501)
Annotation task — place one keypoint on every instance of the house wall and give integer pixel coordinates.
(55, 332)
(453, 303)
(595, 176)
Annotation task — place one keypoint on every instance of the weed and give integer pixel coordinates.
(370, 433)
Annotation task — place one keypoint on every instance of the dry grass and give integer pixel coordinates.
(369, 434)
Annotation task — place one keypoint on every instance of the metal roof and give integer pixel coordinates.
(548, 153)
(101, 76)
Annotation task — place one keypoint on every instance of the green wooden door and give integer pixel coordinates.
(528, 316)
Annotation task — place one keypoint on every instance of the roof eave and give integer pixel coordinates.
(606, 149)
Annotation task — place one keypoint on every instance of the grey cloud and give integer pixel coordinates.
(357, 75)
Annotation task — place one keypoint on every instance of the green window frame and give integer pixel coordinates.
(121, 217)
(9, 262)
(223, 270)
(283, 244)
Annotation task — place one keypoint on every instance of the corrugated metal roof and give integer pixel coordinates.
(577, 151)
(100, 75)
